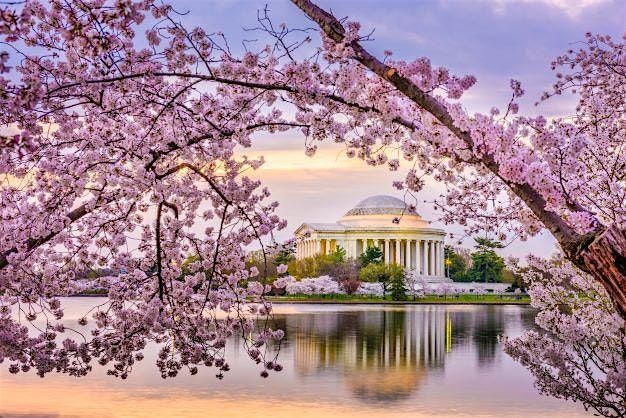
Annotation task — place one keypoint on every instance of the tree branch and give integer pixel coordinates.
(332, 27)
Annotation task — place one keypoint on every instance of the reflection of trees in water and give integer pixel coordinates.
(383, 355)
(527, 317)
(461, 333)
(488, 325)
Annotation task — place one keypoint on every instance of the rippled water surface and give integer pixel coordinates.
(346, 360)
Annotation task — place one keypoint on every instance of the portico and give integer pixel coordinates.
(384, 222)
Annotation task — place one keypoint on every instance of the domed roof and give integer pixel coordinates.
(380, 205)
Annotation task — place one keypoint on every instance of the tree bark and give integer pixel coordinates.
(601, 253)
(606, 256)
(33, 243)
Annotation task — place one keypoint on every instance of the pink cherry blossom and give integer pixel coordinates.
(118, 152)
(580, 353)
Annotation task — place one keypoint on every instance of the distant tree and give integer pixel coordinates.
(486, 244)
(339, 255)
(456, 264)
(334, 264)
(509, 276)
(371, 255)
(487, 266)
(350, 285)
(345, 270)
(518, 280)
(284, 254)
(397, 287)
(305, 267)
(263, 263)
(381, 273)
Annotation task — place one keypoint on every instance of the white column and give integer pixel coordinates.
(326, 247)
(426, 265)
(418, 256)
(407, 254)
(440, 257)
(442, 265)
(397, 251)
(437, 256)
(387, 252)
(432, 258)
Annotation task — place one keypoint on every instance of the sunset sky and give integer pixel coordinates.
(495, 40)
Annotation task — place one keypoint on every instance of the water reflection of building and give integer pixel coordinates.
(383, 354)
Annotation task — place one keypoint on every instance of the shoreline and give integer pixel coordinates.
(394, 302)
(366, 301)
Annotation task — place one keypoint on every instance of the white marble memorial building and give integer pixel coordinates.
(411, 242)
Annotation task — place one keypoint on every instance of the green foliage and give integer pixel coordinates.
(339, 255)
(382, 273)
(372, 255)
(186, 266)
(517, 281)
(319, 265)
(483, 244)
(284, 256)
(508, 276)
(455, 265)
(305, 267)
(397, 288)
(487, 266)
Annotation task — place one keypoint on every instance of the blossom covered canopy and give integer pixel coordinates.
(127, 124)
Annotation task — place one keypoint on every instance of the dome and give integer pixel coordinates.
(380, 205)
(382, 211)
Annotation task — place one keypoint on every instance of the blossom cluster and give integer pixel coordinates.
(323, 285)
(579, 355)
(128, 157)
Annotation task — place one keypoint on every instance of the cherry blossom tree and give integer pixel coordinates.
(505, 173)
(130, 165)
(579, 355)
(122, 127)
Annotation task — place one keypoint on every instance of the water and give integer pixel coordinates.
(346, 360)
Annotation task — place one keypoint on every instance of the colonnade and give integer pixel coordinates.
(424, 255)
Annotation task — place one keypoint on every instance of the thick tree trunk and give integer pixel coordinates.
(605, 259)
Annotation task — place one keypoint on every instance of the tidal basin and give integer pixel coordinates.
(339, 360)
